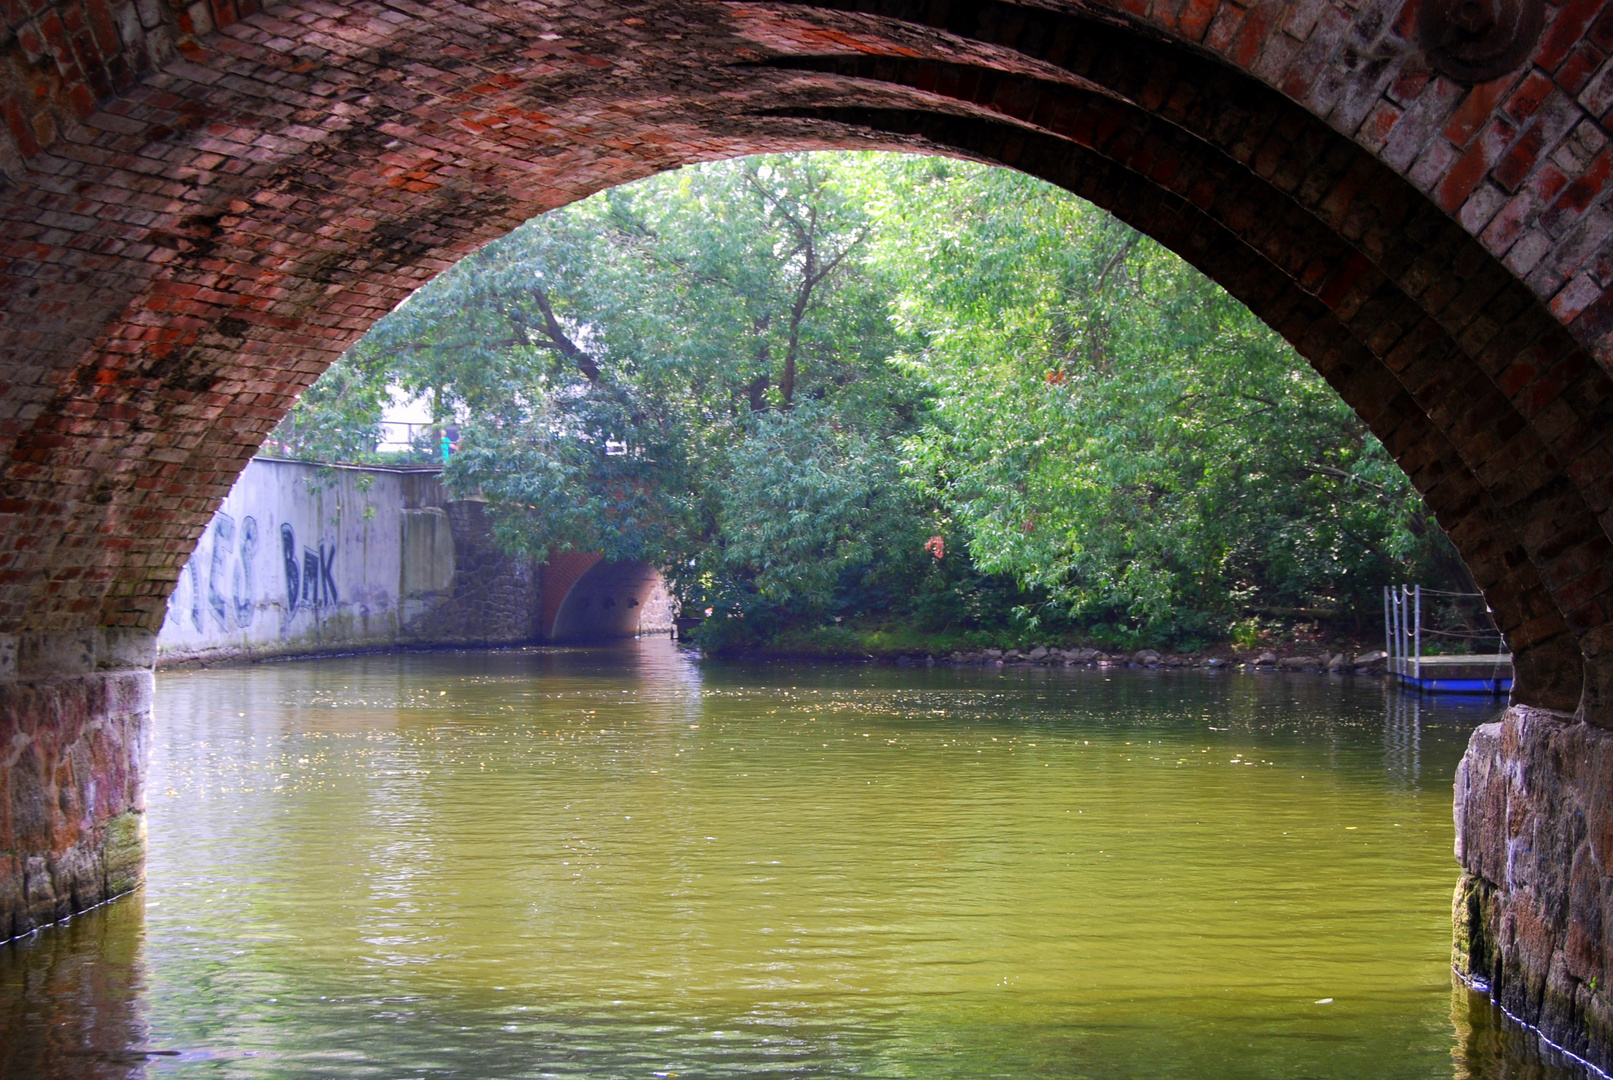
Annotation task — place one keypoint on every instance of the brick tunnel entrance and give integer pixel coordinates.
(204, 203)
(586, 598)
(610, 600)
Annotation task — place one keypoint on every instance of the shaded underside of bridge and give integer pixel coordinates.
(586, 598)
(204, 203)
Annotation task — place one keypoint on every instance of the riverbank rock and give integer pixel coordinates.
(1054, 655)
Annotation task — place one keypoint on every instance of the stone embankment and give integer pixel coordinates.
(1533, 913)
(1046, 656)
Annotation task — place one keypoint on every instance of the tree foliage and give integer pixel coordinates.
(1119, 433)
(777, 377)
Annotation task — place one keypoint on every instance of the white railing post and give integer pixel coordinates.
(1389, 634)
(1394, 627)
(1400, 631)
(1417, 641)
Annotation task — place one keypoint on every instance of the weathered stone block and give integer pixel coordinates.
(72, 804)
(495, 597)
(1533, 912)
(427, 562)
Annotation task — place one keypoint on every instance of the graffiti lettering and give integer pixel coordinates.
(244, 580)
(223, 540)
(327, 582)
(310, 577)
(222, 577)
(195, 594)
(312, 583)
(288, 549)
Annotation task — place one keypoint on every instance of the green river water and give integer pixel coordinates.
(625, 863)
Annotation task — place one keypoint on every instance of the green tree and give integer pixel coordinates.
(618, 370)
(777, 376)
(1120, 434)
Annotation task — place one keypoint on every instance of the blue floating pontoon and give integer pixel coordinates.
(1403, 635)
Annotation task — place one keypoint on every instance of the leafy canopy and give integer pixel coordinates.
(778, 377)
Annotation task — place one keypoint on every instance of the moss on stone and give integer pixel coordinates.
(123, 854)
(1470, 945)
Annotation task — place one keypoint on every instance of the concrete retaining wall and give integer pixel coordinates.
(303, 559)
(307, 558)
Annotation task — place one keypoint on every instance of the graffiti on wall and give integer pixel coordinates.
(195, 594)
(243, 582)
(222, 575)
(313, 583)
(239, 604)
(231, 578)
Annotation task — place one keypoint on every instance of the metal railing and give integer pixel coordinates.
(1404, 630)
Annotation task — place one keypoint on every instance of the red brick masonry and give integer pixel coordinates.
(204, 203)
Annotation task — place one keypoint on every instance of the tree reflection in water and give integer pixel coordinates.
(578, 862)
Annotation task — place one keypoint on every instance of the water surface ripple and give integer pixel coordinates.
(623, 863)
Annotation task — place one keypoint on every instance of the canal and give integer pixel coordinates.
(624, 863)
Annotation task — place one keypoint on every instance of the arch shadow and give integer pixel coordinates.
(613, 600)
(201, 233)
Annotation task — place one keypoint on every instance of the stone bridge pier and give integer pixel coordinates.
(75, 716)
(202, 202)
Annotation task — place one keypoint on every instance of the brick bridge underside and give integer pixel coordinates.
(204, 203)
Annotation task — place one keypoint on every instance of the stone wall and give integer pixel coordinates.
(1533, 912)
(75, 718)
(305, 559)
(494, 598)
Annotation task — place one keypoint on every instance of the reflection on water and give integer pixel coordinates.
(1403, 718)
(70, 999)
(1403, 738)
(1489, 1047)
(619, 863)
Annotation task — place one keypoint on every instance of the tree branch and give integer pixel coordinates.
(562, 342)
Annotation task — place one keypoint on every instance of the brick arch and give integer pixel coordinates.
(202, 202)
(602, 602)
(207, 203)
(561, 573)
